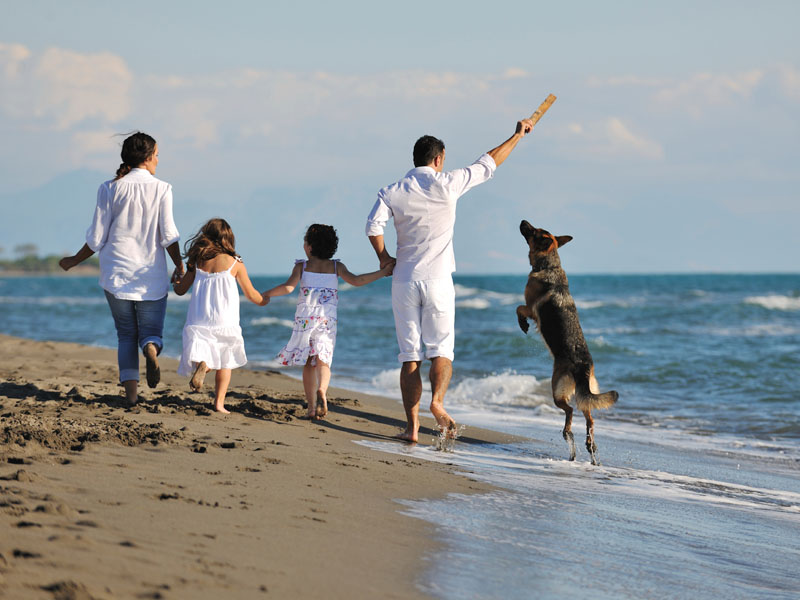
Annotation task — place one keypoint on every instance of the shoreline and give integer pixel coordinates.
(78, 271)
(170, 498)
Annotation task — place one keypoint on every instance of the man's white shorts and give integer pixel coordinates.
(424, 313)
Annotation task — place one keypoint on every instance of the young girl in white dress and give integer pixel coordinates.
(212, 337)
(314, 332)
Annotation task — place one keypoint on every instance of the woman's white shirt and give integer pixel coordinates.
(132, 225)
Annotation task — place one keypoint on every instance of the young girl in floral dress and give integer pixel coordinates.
(314, 332)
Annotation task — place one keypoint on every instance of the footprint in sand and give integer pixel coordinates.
(22, 476)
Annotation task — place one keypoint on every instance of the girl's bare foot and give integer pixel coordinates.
(322, 404)
(196, 382)
(220, 408)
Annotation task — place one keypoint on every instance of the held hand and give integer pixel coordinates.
(388, 260)
(524, 127)
(388, 268)
(177, 274)
(264, 299)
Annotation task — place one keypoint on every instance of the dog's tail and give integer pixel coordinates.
(586, 400)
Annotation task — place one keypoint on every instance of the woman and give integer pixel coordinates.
(131, 227)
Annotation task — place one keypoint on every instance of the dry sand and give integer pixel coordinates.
(171, 500)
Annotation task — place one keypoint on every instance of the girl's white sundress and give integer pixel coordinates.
(314, 330)
(212, 333)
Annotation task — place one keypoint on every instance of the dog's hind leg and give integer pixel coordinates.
(563, 388)
(590, 445)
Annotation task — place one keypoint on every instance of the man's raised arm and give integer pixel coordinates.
(500, 154)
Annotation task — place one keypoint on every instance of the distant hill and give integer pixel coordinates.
(32, 265)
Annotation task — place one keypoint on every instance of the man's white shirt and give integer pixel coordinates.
(423, 206)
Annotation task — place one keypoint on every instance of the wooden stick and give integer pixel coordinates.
(537, 114)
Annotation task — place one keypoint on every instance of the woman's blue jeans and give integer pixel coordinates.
(138, 323)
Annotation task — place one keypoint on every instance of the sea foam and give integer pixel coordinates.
(272, 321)
(501, 389)
(775, 302)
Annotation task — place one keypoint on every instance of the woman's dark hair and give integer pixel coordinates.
(323, 240)
(136, 149)
(215, 237)
(426, 149)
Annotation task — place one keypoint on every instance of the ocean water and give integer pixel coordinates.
(698, 493)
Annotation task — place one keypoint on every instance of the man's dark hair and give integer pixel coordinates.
(426, 149)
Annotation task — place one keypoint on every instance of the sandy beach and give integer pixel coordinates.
(171, 500)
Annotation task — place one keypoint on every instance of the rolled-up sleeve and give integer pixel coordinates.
(97, 234)
(166, 223)
(378, 216)
(462, 180)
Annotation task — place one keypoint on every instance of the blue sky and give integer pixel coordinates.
(672, 147)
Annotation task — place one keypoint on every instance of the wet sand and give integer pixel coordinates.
(171, 500)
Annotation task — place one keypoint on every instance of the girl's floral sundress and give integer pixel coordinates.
(314, 330)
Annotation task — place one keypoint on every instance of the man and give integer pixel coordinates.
(423, 205)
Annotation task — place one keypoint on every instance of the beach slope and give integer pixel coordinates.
(171, 500)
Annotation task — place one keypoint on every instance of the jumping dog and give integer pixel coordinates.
(549, 304)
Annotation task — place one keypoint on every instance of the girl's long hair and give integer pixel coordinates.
(136, 149)
(215, 237)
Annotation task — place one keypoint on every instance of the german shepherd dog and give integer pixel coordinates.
(549, 304)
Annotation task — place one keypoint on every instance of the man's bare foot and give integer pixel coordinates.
(445, 422)
(196, 382)
(322, 404)
(407, 436)
(220, 408)
(151, 359)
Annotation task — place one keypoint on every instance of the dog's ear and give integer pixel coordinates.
(563, 239)
(526, 229)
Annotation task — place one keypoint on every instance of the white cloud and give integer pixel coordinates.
(270, 123)
(515, 73)
(91, 142)
(610, 138)
(11, 58)
(789, 79)
(704, 91)
(61, 88)
(623, 141)
(195, 122)
(626, 80)
(701, 93)
(79, 86)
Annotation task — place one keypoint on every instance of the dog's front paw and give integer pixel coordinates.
(523, 324)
